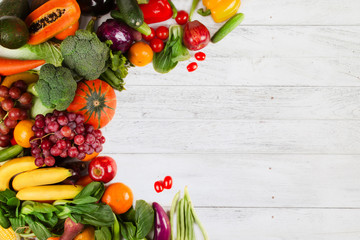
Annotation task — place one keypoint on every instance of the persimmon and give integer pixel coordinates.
(23, 133)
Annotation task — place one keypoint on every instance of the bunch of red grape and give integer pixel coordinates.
(14, 107)
(63, 134)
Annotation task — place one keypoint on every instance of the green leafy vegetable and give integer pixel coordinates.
(56, 87)
(48, 51)
(85, 54)
(144, 218)
(173, 52)
(103, 233)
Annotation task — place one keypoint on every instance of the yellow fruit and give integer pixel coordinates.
(49, 193)
(41, 176)
(13, 167)
(23, 133)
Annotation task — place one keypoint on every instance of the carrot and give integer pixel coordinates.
(12, 66)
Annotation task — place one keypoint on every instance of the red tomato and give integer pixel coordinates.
(162, 32)
(192, 67)
(158, 185)
(182, 17)
(149, 37)
(102, 169)
(200, 56)
(168, 182)
(157, 45)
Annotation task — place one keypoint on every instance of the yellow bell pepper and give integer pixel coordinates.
(222, 10)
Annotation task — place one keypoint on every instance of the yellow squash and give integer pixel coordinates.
(49, 193)
(222, 10)
(13, 167)
(41, 176)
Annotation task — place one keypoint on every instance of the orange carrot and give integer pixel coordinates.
(12, 66)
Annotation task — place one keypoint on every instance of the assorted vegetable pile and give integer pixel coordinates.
(52, 181)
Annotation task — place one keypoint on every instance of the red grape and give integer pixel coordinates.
(4, 129)
(65, 131)
(53, 126)
(79, 139)
(62, 120)
(39, 161)
(14, 93)
(49, 161)
(55, 151)
(25, 98)
(7, 104)
(21, 84)
(4, 91)
(79, 119)
(45, 144)
(10, 123)
(14, 114)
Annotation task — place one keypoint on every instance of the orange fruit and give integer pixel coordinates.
(140, 54)
(87, 234)
(119, 197)
(23, 133)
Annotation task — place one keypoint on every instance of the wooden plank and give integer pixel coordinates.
(280, 224)
(246, 180)
(242, 136)
(204, 102)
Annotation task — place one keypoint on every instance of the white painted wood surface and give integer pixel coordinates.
(265, 133)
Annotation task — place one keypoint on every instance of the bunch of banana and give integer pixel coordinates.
(33, 183)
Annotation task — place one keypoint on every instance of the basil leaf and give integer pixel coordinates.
(103, 233)
(144, 218)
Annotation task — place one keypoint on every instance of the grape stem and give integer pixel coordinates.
(41, 138)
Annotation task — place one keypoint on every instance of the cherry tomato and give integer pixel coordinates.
(200, 56)
(182, 17)
(159, 187)
(192, 67)
(168, 182)
(162, 32)
(157, 45)
(149, 37)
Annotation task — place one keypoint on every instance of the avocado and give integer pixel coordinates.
(18, 8)
(13, 32)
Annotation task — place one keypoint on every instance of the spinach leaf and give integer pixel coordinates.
(128, 230)
(103, 233)
(173, 52)
(94, 190)
(144, 218)
(103, 217)
(40, 231)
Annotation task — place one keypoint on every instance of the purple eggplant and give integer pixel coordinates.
(118, 32)
(162, 223)
(96, 7)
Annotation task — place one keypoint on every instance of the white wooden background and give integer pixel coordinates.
(266, 133)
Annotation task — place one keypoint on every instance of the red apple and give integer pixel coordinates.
(102, 169)
(196, 35)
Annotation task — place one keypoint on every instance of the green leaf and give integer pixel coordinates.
(6, 195)
(85, 200)
(103, 233)
(18, 224)
(103, 217)
(128, 230)
(40, 231)
(13, 202)
(94, 189)
(144, 218)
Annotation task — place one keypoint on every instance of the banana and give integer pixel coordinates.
(49, 193)
(13, 167)
(41, 176)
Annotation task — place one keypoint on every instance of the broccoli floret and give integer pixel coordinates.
(85, 54)
(56, 87)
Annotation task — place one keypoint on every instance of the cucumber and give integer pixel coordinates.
(230, 25)
(10, 152)
(143, 28)
(130, 12)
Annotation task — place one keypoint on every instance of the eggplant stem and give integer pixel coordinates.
(197, 220)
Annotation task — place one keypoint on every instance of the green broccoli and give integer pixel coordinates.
(56, 87)
(85, 54)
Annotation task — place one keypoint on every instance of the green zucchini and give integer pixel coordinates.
(10, 152)
(130, 12)
(230, 25)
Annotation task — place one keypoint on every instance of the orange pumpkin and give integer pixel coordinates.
(96, 100)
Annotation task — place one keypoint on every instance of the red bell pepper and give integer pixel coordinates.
(156, 11)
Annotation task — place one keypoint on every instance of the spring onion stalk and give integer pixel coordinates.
(192, 9)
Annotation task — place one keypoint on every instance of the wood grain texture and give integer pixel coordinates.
(232, 102)
(281, 224)
(230, 136)
(247, 180)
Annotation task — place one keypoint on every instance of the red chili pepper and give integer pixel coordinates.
(156, 11)
(192, 67)
(159, 187)
(168, 182)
